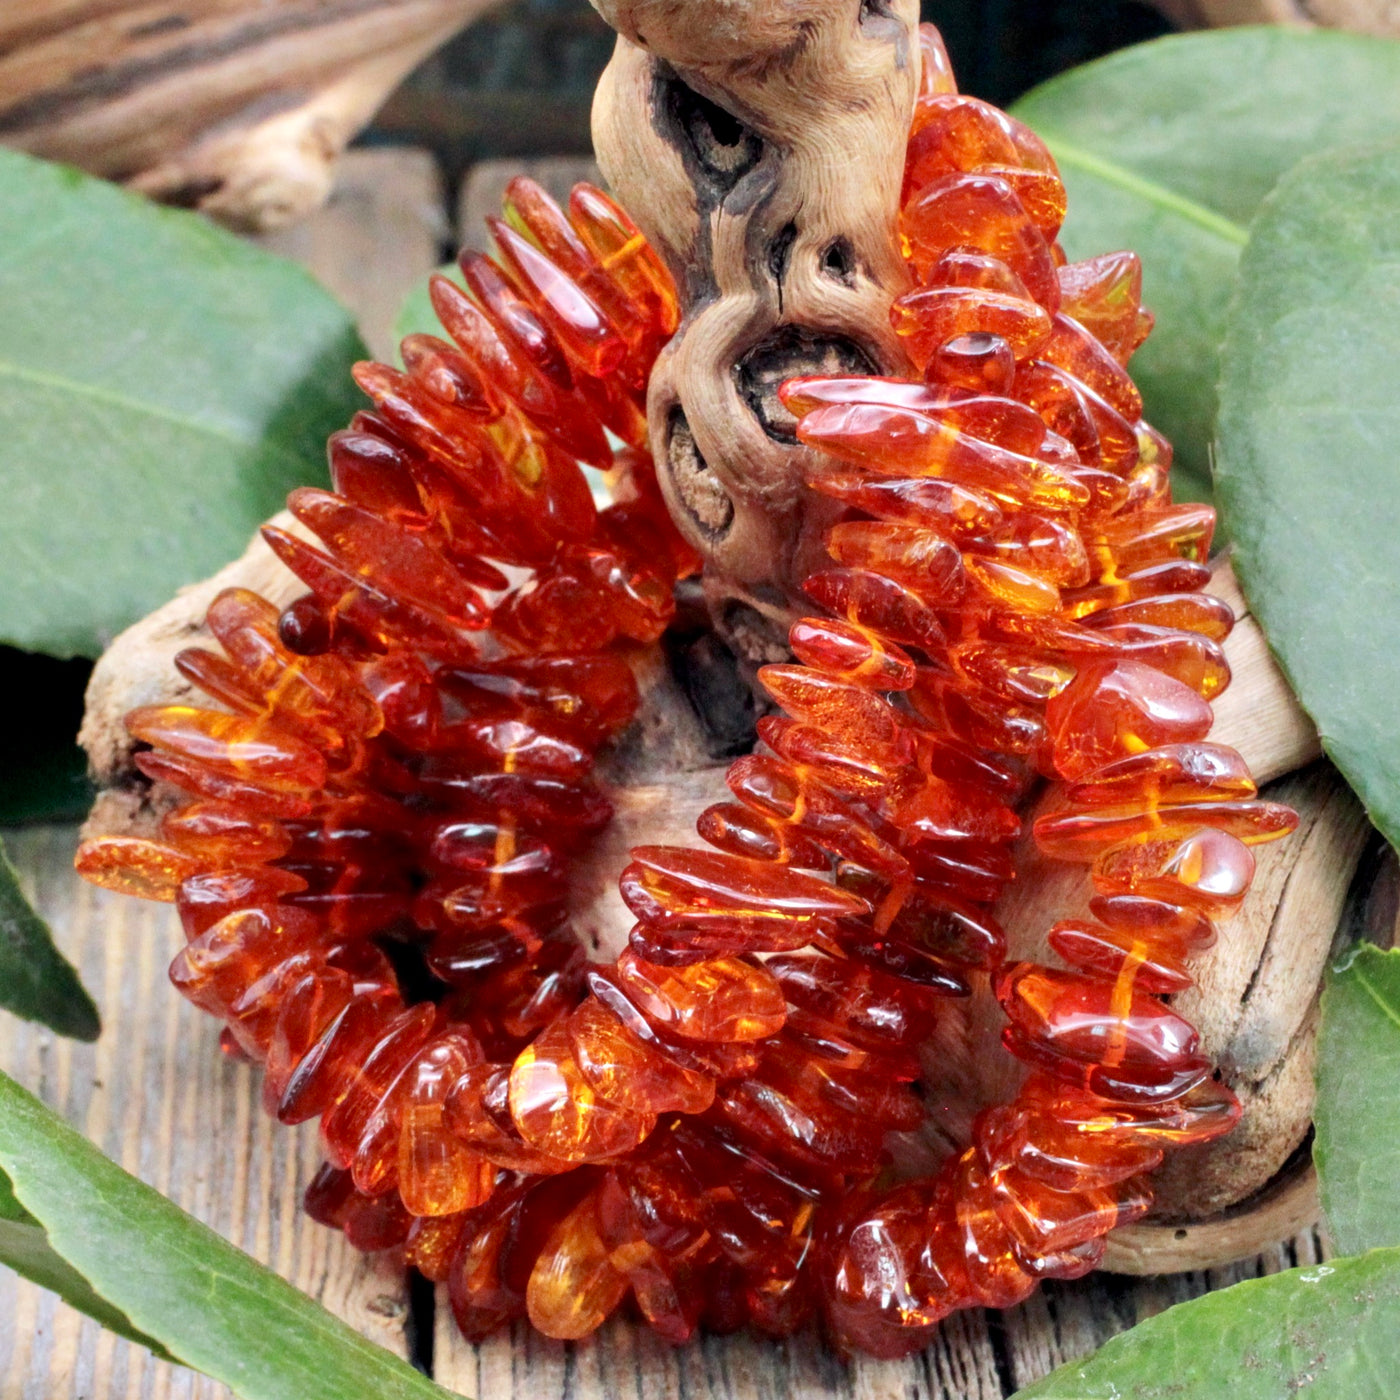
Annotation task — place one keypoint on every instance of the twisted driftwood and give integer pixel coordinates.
(239, 107)
(760, 146)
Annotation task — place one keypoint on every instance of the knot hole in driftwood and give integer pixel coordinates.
(762, 149)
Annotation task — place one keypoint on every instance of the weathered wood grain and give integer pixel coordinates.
(238, 107)
(157, 1096)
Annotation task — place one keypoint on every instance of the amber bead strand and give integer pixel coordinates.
(1032, 530)
(382, 761)
(1110, 683)
(1012, 590)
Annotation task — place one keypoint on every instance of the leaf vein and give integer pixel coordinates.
(1067, 153)
(96, 392)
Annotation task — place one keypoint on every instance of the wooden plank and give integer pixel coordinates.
(156, 1094)
(380, 234)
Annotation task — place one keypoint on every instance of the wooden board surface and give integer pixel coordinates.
(156, 1094)
(380, 234)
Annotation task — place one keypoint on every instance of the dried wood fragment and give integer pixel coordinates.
(238, 107)
(761, 149)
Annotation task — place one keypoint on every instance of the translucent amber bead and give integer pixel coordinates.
(1077, 836)
(980, 210)
(1110, 953)
(978, 360)
(437, 1174)
(558, 1111)
(983, 1250)
(629, 1073)
(1114, 710)
(673, 886)
(905, 442)
(1081, 1018)
(574, 1286)
(722, 999)
(391, 1052)
(235, 746)
(1210, 871)
(132, 865)
(868, 600)
(1192, 612)
(1104, 295)
(851, 654)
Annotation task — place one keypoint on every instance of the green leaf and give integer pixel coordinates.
(1357, 1147)
(211, 1306)
(416, 315)
(1167, 148)
(1327, 1332)
(24, 1247)
(1308, 439)
(163, 384)
(36, 981)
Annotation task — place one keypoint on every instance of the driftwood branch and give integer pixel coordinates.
(238, 107)
(761, 149)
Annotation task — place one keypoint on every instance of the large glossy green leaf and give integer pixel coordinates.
(1307, 448)
(163, 384)
(1357, 1147)
(1327, 1332)
(25, 1248)
(36, 981)
(208, 1303)
(1167, 148)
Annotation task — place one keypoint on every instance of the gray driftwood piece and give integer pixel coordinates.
(239, 107)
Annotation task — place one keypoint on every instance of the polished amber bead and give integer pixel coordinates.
(630, 1073)
(1210, 871)
(558, 1111)
(574, 1285)
(1111, 953)
(679, 887)
(979, 209)
(1093, 1020)
(132, 865)
(1076, 836)
(437, 1174)
(719, 1000)
(870, 600)
(1114, 710)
